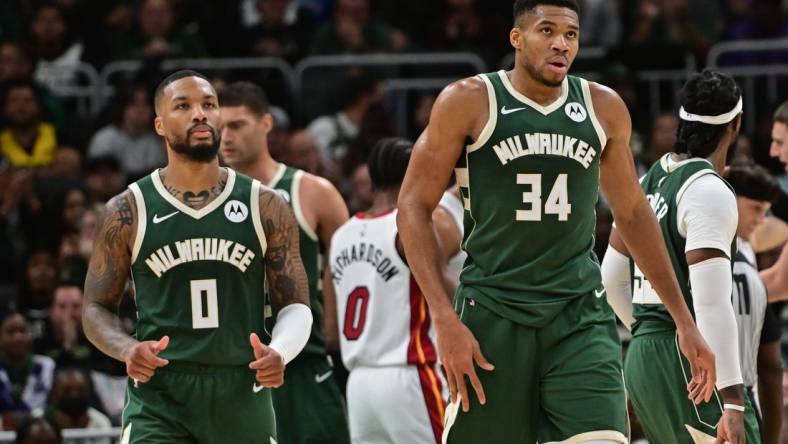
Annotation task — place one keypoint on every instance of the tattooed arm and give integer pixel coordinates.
(287, 285)
(287, 281)
(106, 279)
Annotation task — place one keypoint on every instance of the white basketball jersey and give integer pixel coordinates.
(382, 315)
(454, 206)
(749, 304)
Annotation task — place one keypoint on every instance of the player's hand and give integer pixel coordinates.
(458, 350)
(731, 427)
(268, 363)
(702, 364)
(142, 359)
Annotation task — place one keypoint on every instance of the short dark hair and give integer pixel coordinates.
(388, 162)
(751, 180)
(709, 93)
(245, 94)
(781, 115)
(523, 6)
(174, 77)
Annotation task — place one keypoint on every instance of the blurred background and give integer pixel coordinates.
(76, 81)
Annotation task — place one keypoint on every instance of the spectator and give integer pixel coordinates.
(692, 25)
(63, 339)
(58, 54)
(302, 153)
(779, 146)
(16, 63)
(69, 406)
(421, 115)
(360, 195)
(130, 137)
(103, 178)
(600, 23)
(37, 431)
(157, 35)
(463, 28)
(26, 141)
(41, 280)
(283, 31)
(335, 133)
(74, 205)
(25, 378)
(352, 30)
(663, 136)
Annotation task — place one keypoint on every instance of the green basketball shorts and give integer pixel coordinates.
(560, 382)
(309, 407)
(656, 376)
(187, 403)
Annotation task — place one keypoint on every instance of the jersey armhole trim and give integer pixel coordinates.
(295, 194)
(142, 221)
(254, 204)
(690, 180)
(600, 131)
(492, 106)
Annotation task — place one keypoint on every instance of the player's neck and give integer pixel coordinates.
(383, 201)
(191, 176)
(264, 168)
(532, 88)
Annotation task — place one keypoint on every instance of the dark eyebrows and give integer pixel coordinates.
(544, 22)
(184, 98)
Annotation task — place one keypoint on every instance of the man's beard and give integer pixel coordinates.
(536, 75)
(202, 152)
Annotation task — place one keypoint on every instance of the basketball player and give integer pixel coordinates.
(531, 290)
(199, 242)
(696, 210)
(759, 328)
(395, 392)
(309, 407)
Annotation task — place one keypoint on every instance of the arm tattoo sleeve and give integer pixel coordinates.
(107, 276)
(287, 281)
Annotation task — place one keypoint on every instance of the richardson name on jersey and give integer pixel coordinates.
(202, 249)
(540, 143)
(364, 252)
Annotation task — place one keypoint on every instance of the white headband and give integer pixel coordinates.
(722, 119)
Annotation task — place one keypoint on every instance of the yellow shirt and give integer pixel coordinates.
(44, 148)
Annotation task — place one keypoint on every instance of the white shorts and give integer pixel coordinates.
(403, 404)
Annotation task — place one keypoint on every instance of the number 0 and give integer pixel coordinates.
(208, 318)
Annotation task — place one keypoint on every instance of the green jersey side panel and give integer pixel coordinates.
(530, 185)
(664, 185)
(288, 183)
(199, 275)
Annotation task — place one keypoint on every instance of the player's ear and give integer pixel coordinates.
(268, 122)
(515, 38)
(158, 126)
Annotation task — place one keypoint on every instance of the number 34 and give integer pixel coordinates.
(557, 202)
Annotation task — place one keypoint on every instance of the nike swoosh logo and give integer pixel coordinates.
(157, 219)
(505, 111)
(256, 388)
(323, 377)
(598, 293)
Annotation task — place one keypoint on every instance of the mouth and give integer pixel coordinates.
(201, 131)
(558, 66)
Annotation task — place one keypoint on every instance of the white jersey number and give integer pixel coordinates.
(204, 315)
(557, 202)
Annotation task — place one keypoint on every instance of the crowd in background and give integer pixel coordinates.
(58, 166)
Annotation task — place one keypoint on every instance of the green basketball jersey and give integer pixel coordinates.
(199, 274)
(529, 186)
(664, 185)
(288, 181)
